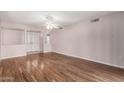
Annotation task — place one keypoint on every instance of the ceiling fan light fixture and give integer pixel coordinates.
(51, 24)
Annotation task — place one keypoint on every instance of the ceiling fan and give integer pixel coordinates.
(50, 23)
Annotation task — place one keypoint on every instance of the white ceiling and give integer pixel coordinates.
(37, 18)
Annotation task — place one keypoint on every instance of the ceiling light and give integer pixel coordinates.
(50, 23)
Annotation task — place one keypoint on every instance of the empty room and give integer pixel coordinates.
(61, 46)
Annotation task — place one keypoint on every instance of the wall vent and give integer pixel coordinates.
(94, 20)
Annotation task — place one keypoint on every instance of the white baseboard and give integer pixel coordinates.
(97, 61)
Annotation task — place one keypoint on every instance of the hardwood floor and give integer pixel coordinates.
(56, 67)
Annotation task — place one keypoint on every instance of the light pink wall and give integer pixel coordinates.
(10, 37)
(13, 44)
(101, 41)
(10, 51)
(0, 44)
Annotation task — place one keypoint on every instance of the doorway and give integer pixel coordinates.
(34, 42)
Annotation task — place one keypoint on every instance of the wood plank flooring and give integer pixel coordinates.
(56, 67)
